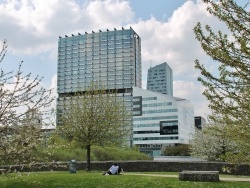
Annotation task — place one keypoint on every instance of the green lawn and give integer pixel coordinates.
(83, 179)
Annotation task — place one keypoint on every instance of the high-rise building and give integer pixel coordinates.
(113, 60)
(109, 58)
(160, 79)
(160, 120)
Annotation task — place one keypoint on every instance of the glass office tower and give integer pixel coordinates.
(111, 59)
(160, 79)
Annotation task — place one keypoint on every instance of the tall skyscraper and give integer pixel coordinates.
(109, 58)
(112, 58)
(160, 79)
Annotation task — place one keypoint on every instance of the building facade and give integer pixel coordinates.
(111, 59)
(199, 122)
(160, 120)
(160, 79)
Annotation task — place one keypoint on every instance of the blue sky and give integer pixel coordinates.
(32, 28)
(160, 9)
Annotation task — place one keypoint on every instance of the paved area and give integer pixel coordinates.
(240, 179)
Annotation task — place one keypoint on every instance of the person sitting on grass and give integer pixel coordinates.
(120, 170)
(113, 170)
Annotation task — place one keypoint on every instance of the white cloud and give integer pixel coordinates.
(33, 27)
(193, 92)
(109, 13)
(173, 41)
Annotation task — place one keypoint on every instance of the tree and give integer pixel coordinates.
(19, 143)
(95, 117)
(229, 92)
(212, 142)
(20, 96)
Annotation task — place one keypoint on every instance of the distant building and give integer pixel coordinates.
(113, 59)
(199, 122)
(109, 58)
(160, 79)
(33, 117)
(159, 120)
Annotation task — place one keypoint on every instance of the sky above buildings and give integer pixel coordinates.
(32, 28)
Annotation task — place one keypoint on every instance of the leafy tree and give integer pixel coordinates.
(19, 143)
(21, 99)
(212, 142)
(95, 117)
(229, 91)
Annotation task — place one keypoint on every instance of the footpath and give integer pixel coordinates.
(240, 179)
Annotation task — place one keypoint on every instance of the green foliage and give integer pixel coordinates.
(115, 153)
(228, 92)
(179, 150)
(19, 143)
(61, 154)
(94, 117)
(98, 153)
(96, 180)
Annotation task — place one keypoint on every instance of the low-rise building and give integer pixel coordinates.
(159, 120)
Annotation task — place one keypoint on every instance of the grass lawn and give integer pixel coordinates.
(83, 179)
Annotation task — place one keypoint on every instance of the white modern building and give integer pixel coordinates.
(160, 79)
(160, 119)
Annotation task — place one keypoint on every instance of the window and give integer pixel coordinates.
(168, 127)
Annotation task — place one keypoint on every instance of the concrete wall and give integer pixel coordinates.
(139, 166)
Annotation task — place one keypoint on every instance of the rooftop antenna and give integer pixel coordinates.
(151, 63)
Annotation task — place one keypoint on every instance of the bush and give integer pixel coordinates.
(115, 153)
(179, 150)
(98, 153)
(58, 149)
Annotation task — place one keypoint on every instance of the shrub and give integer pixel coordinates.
(98, 153)
(179, 150)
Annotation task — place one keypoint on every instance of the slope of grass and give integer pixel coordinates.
(96, 180)
(97, 154)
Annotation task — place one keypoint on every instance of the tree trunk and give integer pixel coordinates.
(88, 157)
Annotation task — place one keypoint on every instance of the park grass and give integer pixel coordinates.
(84, 179)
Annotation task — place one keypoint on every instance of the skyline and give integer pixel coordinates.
(32, 28)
